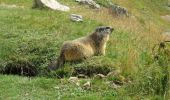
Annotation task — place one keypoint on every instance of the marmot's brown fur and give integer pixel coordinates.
(81, 48)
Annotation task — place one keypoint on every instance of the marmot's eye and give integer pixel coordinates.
(101, 29)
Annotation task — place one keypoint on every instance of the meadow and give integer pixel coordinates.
(31, 38)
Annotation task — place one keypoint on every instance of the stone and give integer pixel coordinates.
(100, 76)
(119, 11)
(74, 80)
(91, 3)
(76, 18)
(115, 86)
(87, 85)
(113, 73)
(82, 76)
(112, 84)
(52, 4)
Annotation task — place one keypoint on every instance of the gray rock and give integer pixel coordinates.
(82, 76)
(87, 85)
(74, 80)
(76, 18)
(119, 11)
(115, 86)
(113, 73)
(91, 3)
(52, 4)
(100, 76)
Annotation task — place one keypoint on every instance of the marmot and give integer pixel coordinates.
(81, 48)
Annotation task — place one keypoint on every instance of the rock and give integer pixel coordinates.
(115, 86)
(100, 76)
(52, 4)
(119, 11)
(78, 84)
(91, 3)
(112, 84)
(87, 85)
(74, 80)
(76, 18)
(82, 76)
(113, 73)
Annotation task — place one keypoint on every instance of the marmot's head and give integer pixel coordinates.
(104, 29)
(102, 33)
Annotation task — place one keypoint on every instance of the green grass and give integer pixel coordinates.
(33, 37)
(14, 87)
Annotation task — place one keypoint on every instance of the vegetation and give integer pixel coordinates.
(31, 38)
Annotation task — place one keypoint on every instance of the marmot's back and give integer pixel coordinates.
(77, 49)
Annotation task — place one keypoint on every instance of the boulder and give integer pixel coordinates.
(91, 3)
(52, 4)
(119, 11)
(76, 18)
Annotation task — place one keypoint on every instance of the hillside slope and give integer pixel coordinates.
(31, 38)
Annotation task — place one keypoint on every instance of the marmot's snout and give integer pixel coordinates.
(110, 29)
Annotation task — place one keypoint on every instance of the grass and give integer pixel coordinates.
(33, 37)
(14, 87)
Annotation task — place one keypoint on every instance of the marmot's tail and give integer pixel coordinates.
(61, 60)
(56, 64)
